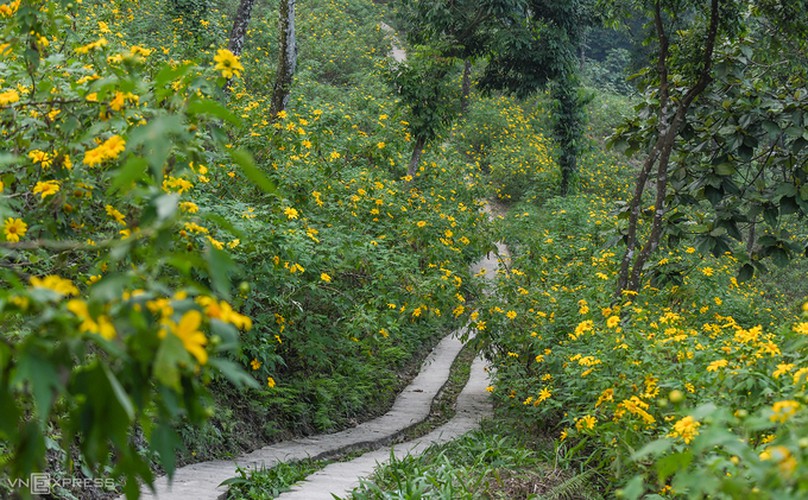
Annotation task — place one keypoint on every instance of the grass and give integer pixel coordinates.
(269, 483)
(492, 462)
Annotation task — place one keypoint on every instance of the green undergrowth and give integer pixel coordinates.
(690, 387)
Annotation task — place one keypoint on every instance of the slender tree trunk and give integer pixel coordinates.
(750, 242)
(668, 129)
(464, 97)
(287, 61)
(415, 159)
(568, 129)
(239, 32)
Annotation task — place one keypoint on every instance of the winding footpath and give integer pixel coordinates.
(201, 481)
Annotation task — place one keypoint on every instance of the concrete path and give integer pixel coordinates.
(201, 480)
(396, 52)
(340, 478)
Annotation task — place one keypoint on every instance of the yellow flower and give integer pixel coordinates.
(707, 271)
(325, 277)
(607, 395)
(108, 150)
(189, 207)
(690, 250)
(9, 97)
(613, 321)
(101, 42)
(586, 422)
(255, 364)
(786, 462)
(782, 369)
(227, 64)
(55, 283)
(102, 326)
(291, 213)
(270, 382)
(14, 229)
(192, 339)
(44, 159)
(46, 188)
(510, 314)
(783, 410)
(115, 214)
(686, 428)
(380, 145)
(801, 328)
(715, 365)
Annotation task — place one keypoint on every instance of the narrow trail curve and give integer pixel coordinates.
(396, 52)
(339, 478)
(201, 480)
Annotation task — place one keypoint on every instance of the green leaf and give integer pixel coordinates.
(120, 394)
(234, 373)
(228, 334)
(165, 441)
(746, 273)
(780, 256)
(654, 448)
(634, 489)
(109, 288)
(212, 108)
(30, 451)
(169, 354)
(725, 168)
(40, 372)
(10, 416)
(166, 206)
(220, 267)
(253, 173)
(154, 137)
(669, 465)
(133, 170)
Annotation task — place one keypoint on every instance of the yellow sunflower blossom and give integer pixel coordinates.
(14, 229)
(227, 64)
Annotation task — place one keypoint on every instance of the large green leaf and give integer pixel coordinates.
(245, 160)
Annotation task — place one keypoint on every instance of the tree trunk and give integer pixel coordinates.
(667, 130)
(287, 59)
(239, 32)
(464, 97)
(568, 129)
(415, 159)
